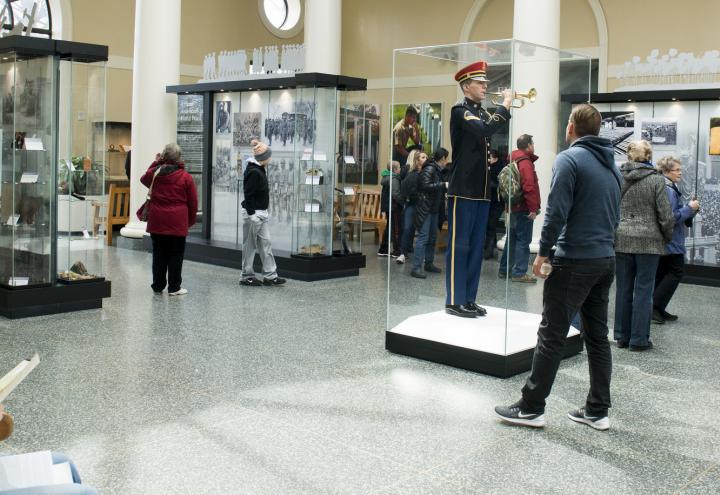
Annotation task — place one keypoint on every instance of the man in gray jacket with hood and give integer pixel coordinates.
(583, 211)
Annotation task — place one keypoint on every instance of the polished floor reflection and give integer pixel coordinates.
(289, 391)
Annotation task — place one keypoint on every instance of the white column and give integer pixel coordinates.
(323, 36)
(156, 64)
(537, 68)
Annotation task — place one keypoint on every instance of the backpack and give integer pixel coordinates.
(510, 184)
(410, 187)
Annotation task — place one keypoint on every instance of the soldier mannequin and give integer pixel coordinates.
(471, 127)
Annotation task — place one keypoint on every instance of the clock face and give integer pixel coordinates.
(282, 17)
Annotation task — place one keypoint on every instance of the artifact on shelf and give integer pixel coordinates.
(80, 176)
(313, 176)
(77, 272)
(313, 249)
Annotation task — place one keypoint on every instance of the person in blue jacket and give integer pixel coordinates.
(670, 267)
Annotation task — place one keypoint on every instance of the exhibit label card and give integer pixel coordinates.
(349, 160)
(29, 178)
(18, 281)
(349, 191)
(320, 157)
(34, 144)
(86, 234)
(312, 180)
(312, 208)
(13, 219)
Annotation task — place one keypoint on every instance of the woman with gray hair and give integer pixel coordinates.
(670, 267)
(646, 224)
(171, 209)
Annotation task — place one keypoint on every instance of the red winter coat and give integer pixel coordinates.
(531, 189)
(174, 201)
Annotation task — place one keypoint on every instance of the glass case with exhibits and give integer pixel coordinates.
(315, 127)
(51, 178)
(27, 169)
(81, 172)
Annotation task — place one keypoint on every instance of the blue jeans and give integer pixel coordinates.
(408, 229)
(425, 242)
(517, 243)
(635, 282)
(76, 488)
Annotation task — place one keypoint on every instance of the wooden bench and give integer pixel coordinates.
(365, 210)
(117, 211)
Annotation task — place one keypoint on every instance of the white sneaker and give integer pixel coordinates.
(180, 292)
(400, 259)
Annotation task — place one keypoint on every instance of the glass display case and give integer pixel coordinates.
(51, 177)
(499, 340)
(317, 128)
(27, 198)
(81, 171)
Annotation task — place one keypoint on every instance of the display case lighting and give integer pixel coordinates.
(629, 100)
(674, 99)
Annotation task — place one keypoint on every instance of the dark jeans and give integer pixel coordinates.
(633, 297)
(168, 254)
(573, 284)
(669, 273)
(517, 243)
(496, 209)
(408, 229)
(392, 230)
(425, 243)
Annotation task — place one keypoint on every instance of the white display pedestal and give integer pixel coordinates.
(476, 344)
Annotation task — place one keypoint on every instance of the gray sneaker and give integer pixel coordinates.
(601, 423)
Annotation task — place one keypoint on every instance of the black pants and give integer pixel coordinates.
(496, 209)
(573, 284)
(669, 273)
(168, 254)
(393, 229)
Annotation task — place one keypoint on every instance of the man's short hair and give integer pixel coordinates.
(524, 141)
(586, 120)
(411, 110)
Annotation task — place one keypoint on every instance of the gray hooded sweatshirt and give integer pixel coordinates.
(646, 218)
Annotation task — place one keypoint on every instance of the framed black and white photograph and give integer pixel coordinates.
(246, 126)
(618, 128)
(291, 126)
(659, 132)
(223, 123)
(360, 139)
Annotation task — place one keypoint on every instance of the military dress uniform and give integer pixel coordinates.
(471, 127)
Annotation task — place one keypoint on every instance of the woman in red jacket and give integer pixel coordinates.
(172, 209)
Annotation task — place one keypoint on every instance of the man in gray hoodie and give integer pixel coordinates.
(583, 211)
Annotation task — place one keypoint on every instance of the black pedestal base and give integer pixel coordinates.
(23, 302)
(502, 366)
(305, 268)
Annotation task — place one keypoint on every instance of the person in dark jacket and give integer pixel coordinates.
(522, 215)
(583, 210)
(497, 205)
(409, 193)
(256, 220)
(670, 267)
(431, 191)
(390, 194)
(171, 212)
(471, 127)
(646, 225)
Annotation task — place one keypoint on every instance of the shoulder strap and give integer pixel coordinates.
(152, 183)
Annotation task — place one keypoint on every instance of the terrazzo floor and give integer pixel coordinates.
(288, 390)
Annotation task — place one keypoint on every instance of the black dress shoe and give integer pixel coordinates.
(641, 348)
(667, 316)
(460, 310)
(622, 345)
(657, 317)
(429, 267)
(478, 309)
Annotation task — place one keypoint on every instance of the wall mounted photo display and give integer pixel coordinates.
(618, 128)
(659, 132)
(223, 123)
(715, 135)
(429, 123)
(246, 127)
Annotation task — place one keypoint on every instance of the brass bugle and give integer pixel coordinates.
(497, 98)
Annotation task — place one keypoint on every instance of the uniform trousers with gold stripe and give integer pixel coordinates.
(467, 222)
